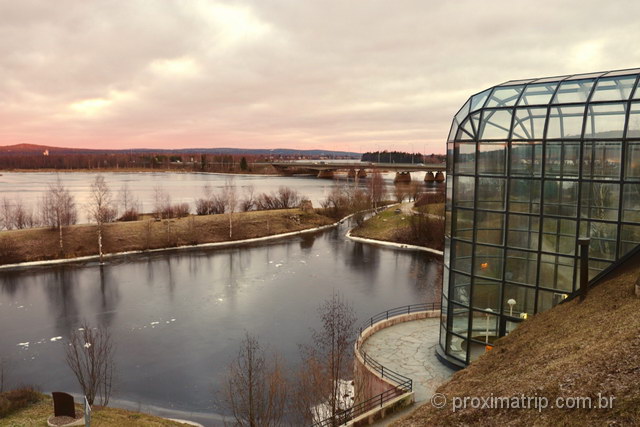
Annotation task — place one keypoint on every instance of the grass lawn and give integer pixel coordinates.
(81, 240)
(36, 414)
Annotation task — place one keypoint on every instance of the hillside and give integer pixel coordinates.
(573, 350)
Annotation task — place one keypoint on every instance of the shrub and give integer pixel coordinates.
(429, 198)
(130, 214)
(14, 400)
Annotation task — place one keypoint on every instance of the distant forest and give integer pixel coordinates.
(400, 157)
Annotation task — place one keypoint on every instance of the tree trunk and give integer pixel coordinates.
(100, 241)
(61, 244)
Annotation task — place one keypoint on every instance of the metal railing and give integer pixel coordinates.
(402, 384)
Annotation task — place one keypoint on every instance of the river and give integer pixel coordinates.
(177, 318)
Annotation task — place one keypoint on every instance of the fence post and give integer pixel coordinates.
(583, 242)
(382, 371)
(381, 399)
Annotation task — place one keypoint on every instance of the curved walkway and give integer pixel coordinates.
(409, 348)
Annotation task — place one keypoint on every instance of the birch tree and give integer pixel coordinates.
(101, 207)
(58, 209)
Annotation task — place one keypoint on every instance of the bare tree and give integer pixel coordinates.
(6, 213)
(377, 189)
(90, 355)
(130, 204)
(210, 203)
(249, 201)
(415, 189)
(161, 203)
(101, 207)
(328, 361)
(230, 198)
(58, 209)
(256, 390)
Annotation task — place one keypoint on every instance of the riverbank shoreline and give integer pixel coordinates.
(135, 170)
(252, 227)
(383, 229)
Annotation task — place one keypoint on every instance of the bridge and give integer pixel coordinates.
(326, 169)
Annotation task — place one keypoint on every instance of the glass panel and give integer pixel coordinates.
(595, 267)
(573, 91)
(484, 328)
(495, 124)
(631, 203)
(634, 121)
(488, 262)
(464, 111)
(603, 239)
(601, 159)
(459, 319)
(605, 121)
(524, 196)
(632, 164)
(490, 228)
(549, 299)
(600, 200)
(477, 101)
(565, 122)
(461, 256)
(463, 227)
(453, 131)
(449, 157)
(504, 96)
(523, 300)
(629, 238)
(561, 198)
(491, 193)
(455, 346)
(460, 287)
(445, 280)
(613, 88)
(538, 94)
(475, 121)
(584, 76)
(486, 294)
(556, 272)
(521, 267)
(491, 159)
(525, 158)
(523, 231)
(463, 191)
(465, 133)
(465, 158)
(562, 158)
(559, 235)
(529, 123)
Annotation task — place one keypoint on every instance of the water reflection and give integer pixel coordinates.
(177, 318)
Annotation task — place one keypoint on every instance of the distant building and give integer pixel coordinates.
(532, 165)
(45, 153)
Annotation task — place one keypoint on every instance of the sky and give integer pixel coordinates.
(351, 75)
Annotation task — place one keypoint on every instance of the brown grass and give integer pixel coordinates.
(573, 350)
(39, 410)
(81, 240)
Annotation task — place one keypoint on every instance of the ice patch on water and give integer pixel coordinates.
(54, 339)
(173, 320)
(278, 265)
(155, 323)
(24, 344)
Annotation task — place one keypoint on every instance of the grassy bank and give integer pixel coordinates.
(575, 350)
(39, 408)
(399, 224)
(81, 240)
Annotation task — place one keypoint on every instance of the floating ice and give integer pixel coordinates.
(278, 265)
(81, 329)
(21, 306)
(87, 345)
(173, 320)
(24, 344)
(55, 339)
(155, 323)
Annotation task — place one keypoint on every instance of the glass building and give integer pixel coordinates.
(531, 166)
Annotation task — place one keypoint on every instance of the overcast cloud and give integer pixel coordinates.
(348, 75)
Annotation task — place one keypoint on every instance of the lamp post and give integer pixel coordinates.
(511, 303)
(486, 335)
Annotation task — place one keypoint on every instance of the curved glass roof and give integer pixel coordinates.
(553, 108)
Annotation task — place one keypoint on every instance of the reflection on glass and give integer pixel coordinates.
(573, 91)
(565, 122)
(613, 88)
(605, 121)
(601, 159)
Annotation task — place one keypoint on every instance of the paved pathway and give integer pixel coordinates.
(409, 349)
